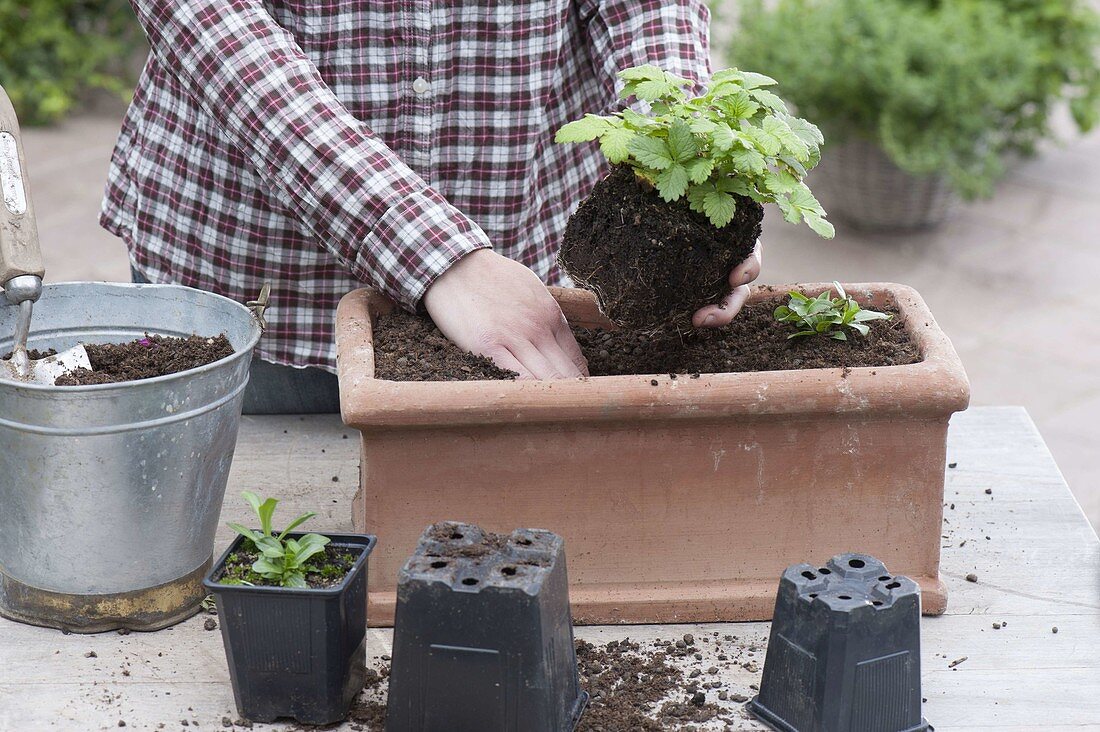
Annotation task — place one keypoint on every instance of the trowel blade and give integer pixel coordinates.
(46, 370)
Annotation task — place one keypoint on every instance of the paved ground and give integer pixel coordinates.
(1012, 280)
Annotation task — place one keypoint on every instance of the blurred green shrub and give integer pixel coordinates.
(53, 50)
(943, 86)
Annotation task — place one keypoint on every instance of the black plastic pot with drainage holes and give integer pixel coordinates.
(483, 637)
(844, 650)
(298, 653)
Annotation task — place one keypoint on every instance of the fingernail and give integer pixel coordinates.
(709, 321)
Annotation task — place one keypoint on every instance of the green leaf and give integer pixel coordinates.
(681, 141)
(583, 130)
(642, 73)
(268, 567)
(769, 100)
(296, 523)
(266, 511)
(779, 129)
(862, 329)
(246, 532)
(738, 106)
(651, 152)
(764, 141)
(840, 336)
(294, 579)
(719, 207)
(749, 161)
(820, 226)
(615, 144)
(754, 80)
(269, 546)
(699, 170)
(672, 182)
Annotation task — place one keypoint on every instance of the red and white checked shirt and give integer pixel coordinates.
(321, 145)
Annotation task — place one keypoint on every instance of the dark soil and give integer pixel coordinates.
(490, 543)
(146, 358)
(328, 568)
(408, 348)
(32, 354)
(653, 263)
(753, 342)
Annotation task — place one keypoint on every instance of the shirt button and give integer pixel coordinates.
(421, 85)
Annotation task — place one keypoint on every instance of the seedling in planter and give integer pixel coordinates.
(281, 560)
(657, 239)
(826, 315)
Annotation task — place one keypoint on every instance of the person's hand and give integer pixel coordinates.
(716, 316)
(498, 308)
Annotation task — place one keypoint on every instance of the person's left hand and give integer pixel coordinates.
(715, 316)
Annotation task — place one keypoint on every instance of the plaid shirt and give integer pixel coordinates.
(321, 145)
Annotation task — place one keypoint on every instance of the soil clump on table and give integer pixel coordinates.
(651, 262)
(754, 341)
(327, 569)
(146, 358)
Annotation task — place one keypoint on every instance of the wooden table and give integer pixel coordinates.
(1010, 520)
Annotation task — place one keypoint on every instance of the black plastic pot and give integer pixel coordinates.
(844, 651)
(296, 653)
(484, 642)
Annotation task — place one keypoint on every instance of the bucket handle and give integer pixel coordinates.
(260, 304)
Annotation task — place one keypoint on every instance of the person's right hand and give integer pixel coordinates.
(496, 307)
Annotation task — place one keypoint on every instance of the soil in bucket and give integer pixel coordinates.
(146, 358)
(755, 341)
(652, 263)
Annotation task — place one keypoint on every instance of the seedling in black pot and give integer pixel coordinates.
(293, 611)
(483, 638)
(844, 651)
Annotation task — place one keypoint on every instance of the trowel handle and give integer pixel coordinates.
(19, 250)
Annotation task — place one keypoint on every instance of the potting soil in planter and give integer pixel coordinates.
(326, 569)
(146, 358)
(409, 348)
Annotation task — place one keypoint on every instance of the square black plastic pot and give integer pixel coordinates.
(484, 643)
(297, 653)
(844, 650)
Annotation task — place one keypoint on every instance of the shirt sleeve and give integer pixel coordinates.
(381, 220)
(671, 34)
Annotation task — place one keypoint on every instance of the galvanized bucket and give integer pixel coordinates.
(110, 494)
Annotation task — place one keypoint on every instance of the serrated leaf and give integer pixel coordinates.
(651, 152)
(672, 182)
(699, 169)
(642, 73)
(681, 141)
(651, 91)
(583, 130)
(738, 106)
(719, 208)
(780, 182)
(779, 129)
(726, 75)
(702, 125)
(724, 137)
(819, 225)
(769, 100)
(754, 80)
(748, 160)
(763, 140)
(615, 144)
(808, 132)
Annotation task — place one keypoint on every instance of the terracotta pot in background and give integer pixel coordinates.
(681, 502)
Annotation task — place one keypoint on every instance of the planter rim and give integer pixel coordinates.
(934, 387)
(365, 542)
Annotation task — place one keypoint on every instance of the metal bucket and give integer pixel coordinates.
(110, 494)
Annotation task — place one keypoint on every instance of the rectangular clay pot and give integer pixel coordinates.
(681, 502)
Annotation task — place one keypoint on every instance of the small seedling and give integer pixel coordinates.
(737, 138)
(826, 315)
(282, 560)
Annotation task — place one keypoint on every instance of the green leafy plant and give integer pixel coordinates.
(282, 560)
(51, 51)
(826, 315)
(942, 86)
(737, 138)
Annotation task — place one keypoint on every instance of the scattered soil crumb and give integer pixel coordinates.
(210, 624)
(971, 577)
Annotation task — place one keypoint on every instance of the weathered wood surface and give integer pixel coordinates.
(1039, 569)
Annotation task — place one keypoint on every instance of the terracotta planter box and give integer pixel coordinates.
(681, 502)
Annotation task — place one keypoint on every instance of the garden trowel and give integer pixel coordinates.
(21, 266)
